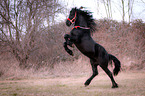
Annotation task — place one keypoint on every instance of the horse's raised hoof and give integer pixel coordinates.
(87, 83)
(115, 86)
(70, 52)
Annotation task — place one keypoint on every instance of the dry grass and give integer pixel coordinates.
(69, 68)
(130, 84)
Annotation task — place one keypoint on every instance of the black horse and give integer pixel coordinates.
(80, 35)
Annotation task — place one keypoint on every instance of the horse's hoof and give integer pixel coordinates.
(87, 83)
(115, 86)
(72, 54)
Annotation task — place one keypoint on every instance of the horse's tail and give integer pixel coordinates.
(116, 63)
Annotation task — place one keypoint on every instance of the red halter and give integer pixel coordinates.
(74, 19)
(80, 27)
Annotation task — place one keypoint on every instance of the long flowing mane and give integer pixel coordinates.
(89, 19)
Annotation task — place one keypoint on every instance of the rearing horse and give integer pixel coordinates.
(80, 35)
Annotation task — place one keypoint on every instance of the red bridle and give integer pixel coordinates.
(80, 27)
(73, 19)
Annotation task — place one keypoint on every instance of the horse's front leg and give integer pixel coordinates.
(67, 42)
(67, 49)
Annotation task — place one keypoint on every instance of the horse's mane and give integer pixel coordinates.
(89, 19)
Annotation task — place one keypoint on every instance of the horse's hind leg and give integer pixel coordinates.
(108, 72)
(95, 72)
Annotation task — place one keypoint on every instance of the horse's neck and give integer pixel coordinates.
(81, 21)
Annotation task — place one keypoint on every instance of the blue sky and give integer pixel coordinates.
(99, 12)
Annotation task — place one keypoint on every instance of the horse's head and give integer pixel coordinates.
(72, 16)
(82, 18)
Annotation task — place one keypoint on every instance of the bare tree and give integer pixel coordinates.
(143, 1)
(107, 5)
(21, 23)
(123, 10)
(130, 8)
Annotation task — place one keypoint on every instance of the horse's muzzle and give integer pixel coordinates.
(68, 23)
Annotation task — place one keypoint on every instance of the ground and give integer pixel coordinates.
(131, 83)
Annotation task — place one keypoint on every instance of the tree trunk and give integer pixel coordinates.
(123, 11)
(21, 59)
(23, 63)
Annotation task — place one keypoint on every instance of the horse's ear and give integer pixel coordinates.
(81, 7)
(75, 8)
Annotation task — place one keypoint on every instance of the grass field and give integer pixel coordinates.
(130, 84)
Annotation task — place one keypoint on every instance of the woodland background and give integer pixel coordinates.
(31, 41)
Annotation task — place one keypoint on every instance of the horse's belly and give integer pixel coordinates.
(86, 49)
